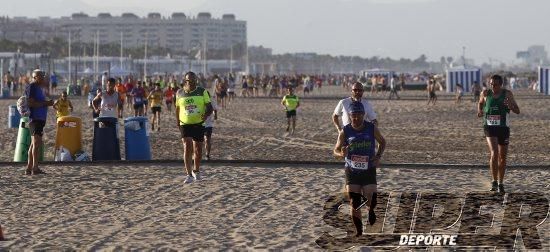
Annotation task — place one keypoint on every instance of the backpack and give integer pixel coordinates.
(23, 103)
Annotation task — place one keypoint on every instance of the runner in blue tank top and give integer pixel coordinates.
(356, 144)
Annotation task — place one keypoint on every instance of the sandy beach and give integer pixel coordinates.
(252, 206)
(242, 207)
(254, 128)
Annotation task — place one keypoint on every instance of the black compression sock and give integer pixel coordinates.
(358, 223)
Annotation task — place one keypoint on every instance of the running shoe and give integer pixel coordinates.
(494, 186)
(196, 176)
(372, 217)
(189, 179)
(501, 188)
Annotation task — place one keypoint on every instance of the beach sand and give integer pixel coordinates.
(252, 129)
(254, 206)
(235, 206)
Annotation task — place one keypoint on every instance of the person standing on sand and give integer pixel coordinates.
(109, 101)
(343, 105)
(63, 105)
(432, 97)
(38, 106)
(193, 106)
(494, 106)
(290, 102)
(356, 144)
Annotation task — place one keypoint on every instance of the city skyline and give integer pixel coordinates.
(489, 30)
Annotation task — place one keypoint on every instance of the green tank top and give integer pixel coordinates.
(192, 105)
(496, 114)
(291, 102)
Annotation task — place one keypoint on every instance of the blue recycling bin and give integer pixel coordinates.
(13, 117)
(5, 92)
(136, 139)
(105, 144)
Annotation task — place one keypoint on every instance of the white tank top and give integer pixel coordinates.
(108, 104)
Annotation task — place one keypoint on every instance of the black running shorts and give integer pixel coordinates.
(501, 133)
(361, 177)
(290, 113)
(36, 127)
(156, 109)
(195, 131)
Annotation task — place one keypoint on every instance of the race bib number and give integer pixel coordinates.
(359, 162)
(191, 109)
(137, 99)
(493, 120)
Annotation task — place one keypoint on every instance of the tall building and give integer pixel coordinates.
(177, 32)
(535, 55)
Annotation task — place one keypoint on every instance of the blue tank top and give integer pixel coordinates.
(34, 91)
(361, 147)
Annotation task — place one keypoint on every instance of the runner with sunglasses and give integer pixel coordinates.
(342, 110)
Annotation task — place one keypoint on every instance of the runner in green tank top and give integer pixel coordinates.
(494, 107)
(291, 103)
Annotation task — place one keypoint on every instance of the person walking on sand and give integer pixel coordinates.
(63, 105)
(193, 106)
(494, 107)
(432, 97)
(290, 102)
(156, 106)
(209, 126)
(393, 89)
(121, 90)
(341, 109)
(459, 93)
(38, 106)
(138, 98)
(356, 144)
(476, 90)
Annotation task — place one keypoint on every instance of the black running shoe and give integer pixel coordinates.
(494, 187)
(501, 188)
(372, 217)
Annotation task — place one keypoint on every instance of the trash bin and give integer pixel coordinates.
(136, 139)
(14, 117)
(23, 142)
(69, 134)
(105, 145)
(5, 92)
(77, 90)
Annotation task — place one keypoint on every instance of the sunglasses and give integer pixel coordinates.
(357, 90)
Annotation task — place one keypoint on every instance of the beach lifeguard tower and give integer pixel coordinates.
(464, 76)
(544, 82)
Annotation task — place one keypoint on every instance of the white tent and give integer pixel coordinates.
(464, 76)
(118, 71)
(544, 82)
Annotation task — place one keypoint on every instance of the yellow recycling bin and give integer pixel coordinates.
(69, 134)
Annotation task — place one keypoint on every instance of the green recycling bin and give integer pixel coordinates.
(23, 142)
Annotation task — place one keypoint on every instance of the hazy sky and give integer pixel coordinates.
(387, 28)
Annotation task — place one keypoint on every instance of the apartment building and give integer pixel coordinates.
(177, 32)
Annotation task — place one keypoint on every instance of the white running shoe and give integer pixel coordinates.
(197, 175)
(189, 179)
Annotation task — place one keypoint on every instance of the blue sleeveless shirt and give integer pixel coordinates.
(361, 147)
